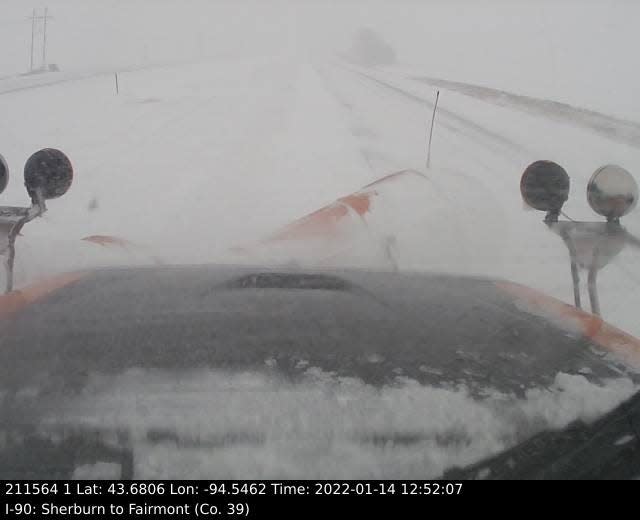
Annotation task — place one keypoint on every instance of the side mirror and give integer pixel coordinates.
(545, 186)
(4, 174)
(612, 192)
(47, 174)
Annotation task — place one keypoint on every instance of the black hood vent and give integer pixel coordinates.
(302, 281)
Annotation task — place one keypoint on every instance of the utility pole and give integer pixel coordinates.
(33, 34)
(44, 39)
(35, 18)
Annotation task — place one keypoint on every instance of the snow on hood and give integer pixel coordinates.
(256, 425)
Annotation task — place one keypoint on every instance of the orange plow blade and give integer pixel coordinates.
(576, 321)
(335, 228)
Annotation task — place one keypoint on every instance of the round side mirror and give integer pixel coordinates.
(4, 174)
(612, 191)
(49, 172)
(545, 186)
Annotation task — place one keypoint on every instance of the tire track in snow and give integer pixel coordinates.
(466, 126)
(452, 137)
(369, 156)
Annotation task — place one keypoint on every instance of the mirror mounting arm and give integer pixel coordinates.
(552, 217)
(38, 205)
(598, 243)
(37, 209)
(48, 174)
(592, 286)
(561, 230)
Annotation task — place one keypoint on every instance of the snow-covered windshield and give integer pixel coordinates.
(211, 424)
(380, 136)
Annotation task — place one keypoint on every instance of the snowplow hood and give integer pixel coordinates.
(476, 330)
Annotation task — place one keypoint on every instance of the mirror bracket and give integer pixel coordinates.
(48, 174)
(612, 192)
(12, 220)
(591, 246)
(552, 217)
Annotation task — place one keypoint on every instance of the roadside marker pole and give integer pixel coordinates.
(433, 119)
